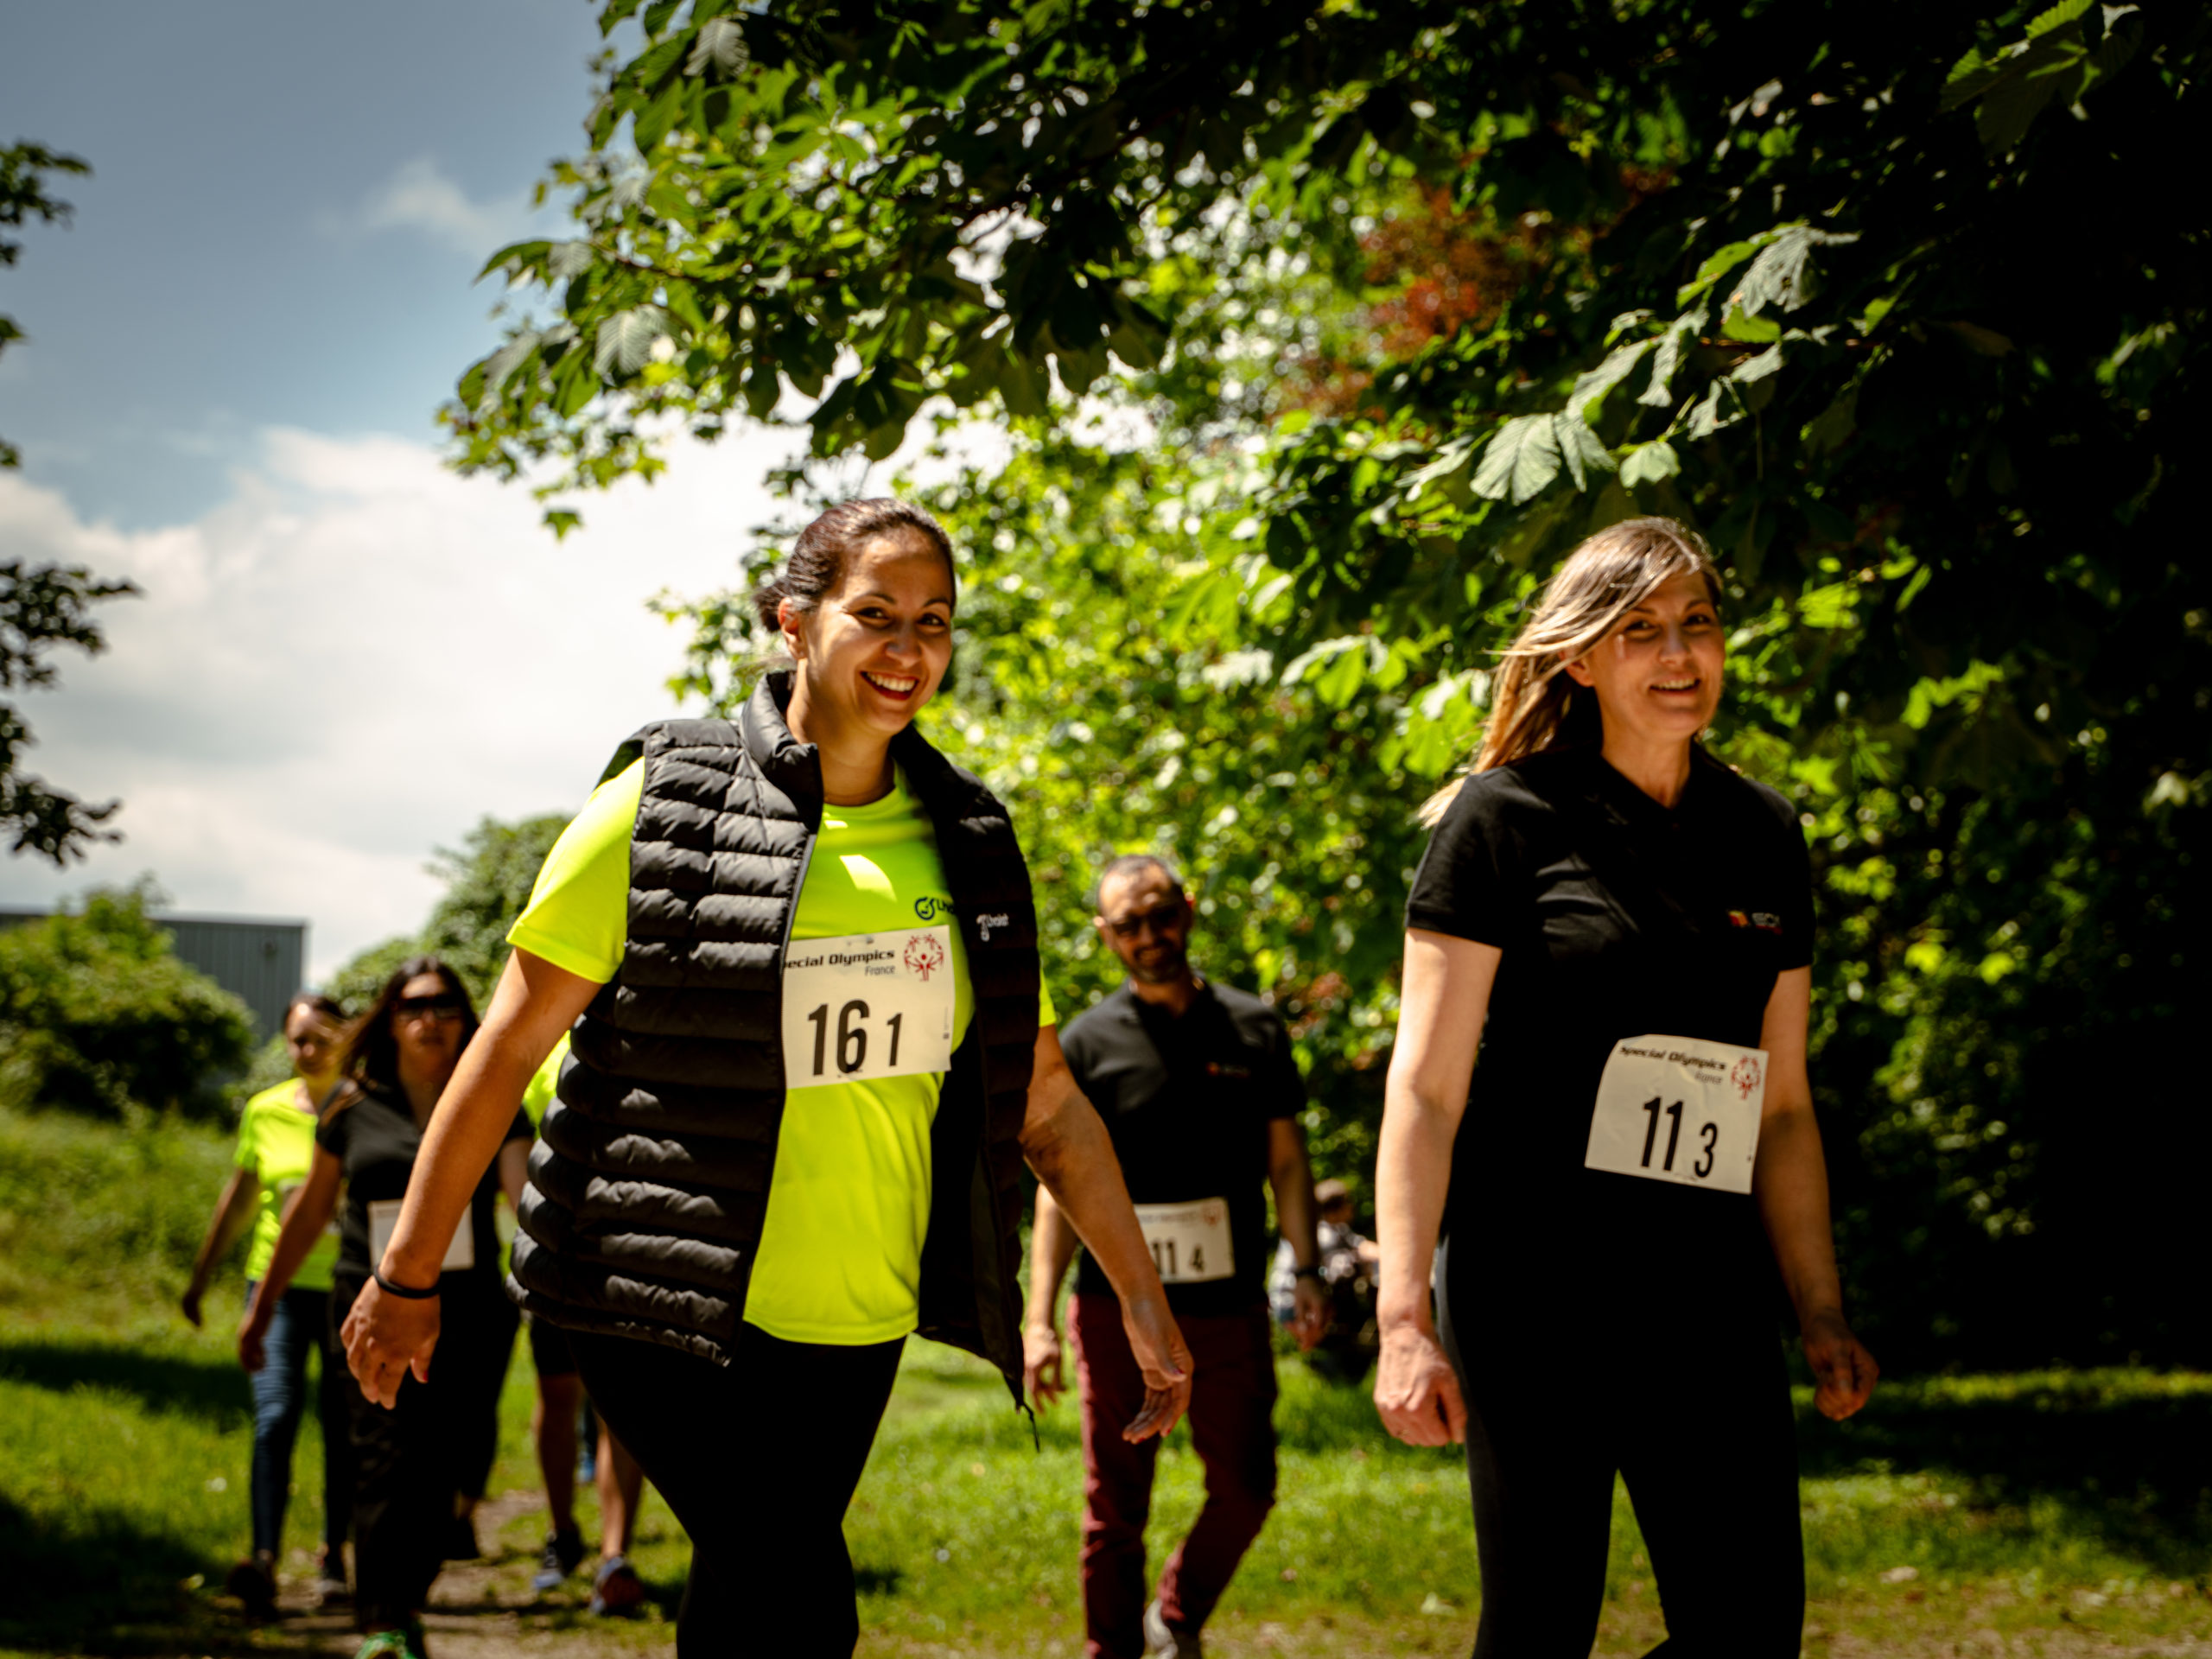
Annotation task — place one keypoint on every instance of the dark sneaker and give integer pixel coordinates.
(331, 1593)
(253, 1581)
(617, 1591)
(563, 1552)
(461, 1541)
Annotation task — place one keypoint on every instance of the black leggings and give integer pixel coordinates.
(758, 1461)
(413, 1460)
(1693, 1412)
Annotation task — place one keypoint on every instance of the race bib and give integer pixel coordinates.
(868, 1006)
(1679, 1108)
(384, 1216)
(1189, 1241)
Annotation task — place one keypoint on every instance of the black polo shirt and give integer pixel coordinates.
(1616, 916)
(375, 1140)
(1188, 1101)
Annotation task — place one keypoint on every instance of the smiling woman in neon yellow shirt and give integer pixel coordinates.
(811, 1048)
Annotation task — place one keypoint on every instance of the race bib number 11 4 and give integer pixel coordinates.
(1682, 1109)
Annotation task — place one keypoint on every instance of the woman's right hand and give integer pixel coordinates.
(386, 1338)
(1417, 1391)
(253, 1335)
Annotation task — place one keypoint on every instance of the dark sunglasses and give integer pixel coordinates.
(444, 1007)
(1165, 920)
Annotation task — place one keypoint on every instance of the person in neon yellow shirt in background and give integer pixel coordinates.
(615, 1587)
(811, 1049)
(275, 1145)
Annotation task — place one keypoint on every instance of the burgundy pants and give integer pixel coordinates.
(1233, 1401)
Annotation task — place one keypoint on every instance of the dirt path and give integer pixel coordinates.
(486, 1609)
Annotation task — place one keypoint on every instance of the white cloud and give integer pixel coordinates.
(420, 197)
(353, 659)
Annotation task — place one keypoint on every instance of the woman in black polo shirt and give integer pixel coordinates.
(1622, 925)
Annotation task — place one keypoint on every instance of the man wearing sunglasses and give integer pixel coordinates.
(1199, 1088)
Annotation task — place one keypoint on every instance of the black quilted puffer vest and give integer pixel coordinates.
(649, 1182)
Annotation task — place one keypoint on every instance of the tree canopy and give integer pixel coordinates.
(1324, 331)
(47, 605)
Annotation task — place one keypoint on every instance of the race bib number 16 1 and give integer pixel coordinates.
(1682, 1109)
(865, 1006)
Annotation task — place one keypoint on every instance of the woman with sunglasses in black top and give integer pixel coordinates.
(415, 1462)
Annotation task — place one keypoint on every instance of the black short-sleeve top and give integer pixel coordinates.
(1616, 917)
(375, 1140)
(1187, 1100)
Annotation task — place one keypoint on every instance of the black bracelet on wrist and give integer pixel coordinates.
(1306, 1273)
(405, 1292)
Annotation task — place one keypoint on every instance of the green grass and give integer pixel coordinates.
(2016, 1504)
(112, 1211)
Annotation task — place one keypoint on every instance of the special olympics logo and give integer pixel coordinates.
(925, 955)
(1745, 1077)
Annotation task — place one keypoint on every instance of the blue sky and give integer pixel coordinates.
(288, 206)
(344, 656)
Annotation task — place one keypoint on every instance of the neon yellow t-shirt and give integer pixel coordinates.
(537, 1093)
(841, 1248)
(276, 1143)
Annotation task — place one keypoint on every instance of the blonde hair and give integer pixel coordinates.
(1534, 705)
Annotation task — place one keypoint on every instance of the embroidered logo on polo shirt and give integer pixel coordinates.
(1765, 920)
(1217, 1069)
(985, 923)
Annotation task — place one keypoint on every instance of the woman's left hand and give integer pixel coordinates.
(1843, 1371)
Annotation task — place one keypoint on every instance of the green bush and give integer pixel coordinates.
(97, 1015)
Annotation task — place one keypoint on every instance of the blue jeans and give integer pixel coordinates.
(279, 1396)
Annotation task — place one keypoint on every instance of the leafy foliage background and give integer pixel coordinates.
(1324, 331)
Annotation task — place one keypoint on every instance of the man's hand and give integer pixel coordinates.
(1042, 1378)
(386, 1338)
(1165, 1359)
(1310, 1311)
(1417, 1391)
(190, 1303)
(1843, 1371)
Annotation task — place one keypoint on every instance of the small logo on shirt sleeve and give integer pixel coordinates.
(1764, 921)
(985, 923)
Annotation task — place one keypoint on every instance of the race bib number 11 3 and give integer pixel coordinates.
(1682, 1109)
(867, 1006)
